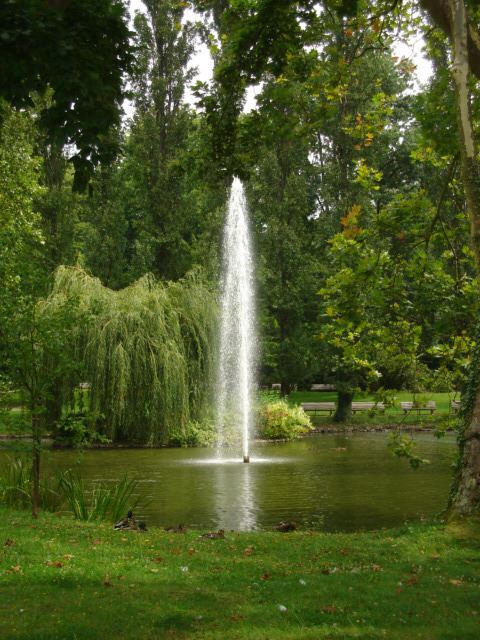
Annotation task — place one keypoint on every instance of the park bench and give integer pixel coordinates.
(455, 405)
(319, 407)
(368, 406)
(408, 407)
(323, 387)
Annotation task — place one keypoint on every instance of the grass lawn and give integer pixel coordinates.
(63, 579)
(391, 415)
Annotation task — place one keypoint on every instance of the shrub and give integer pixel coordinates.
(195, 434)
(279, 421)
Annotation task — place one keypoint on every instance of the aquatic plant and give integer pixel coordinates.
(101, 502)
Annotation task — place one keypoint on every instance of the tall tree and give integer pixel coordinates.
(81, 50)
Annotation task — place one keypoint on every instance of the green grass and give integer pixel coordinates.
(63, 579)
(391, 415)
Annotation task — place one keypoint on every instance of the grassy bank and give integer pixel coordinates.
(63, 579)
(392, 415)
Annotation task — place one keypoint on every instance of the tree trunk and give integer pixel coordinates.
(285, 388)
(465, 497)
(37, 443)
(344, 407)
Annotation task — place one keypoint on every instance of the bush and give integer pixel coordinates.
(279, 421)
(196, 434)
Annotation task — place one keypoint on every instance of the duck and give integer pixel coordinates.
(128, 522)
(285, 526)
(213, 535)
(180, 529)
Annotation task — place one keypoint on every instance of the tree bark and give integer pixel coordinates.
(440, 13)
(344, 407)
(465, 497)
(37, 443)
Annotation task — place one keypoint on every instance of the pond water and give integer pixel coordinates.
(327, 482)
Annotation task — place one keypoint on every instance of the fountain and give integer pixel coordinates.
(237, 339)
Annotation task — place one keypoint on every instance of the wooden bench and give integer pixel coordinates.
(368, 406)
(455, 405)
(319, 407)
(323, 387)
(408, 407)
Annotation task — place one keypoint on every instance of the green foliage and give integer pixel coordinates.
(195, 434)
(280, 421)
(102, 501)
(146, 350)
(403, 446)
(80, 49)
(16, 487)
(75, 430)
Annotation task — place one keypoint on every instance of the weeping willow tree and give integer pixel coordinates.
(146, 351)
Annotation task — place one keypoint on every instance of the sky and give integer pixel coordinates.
(202, 60)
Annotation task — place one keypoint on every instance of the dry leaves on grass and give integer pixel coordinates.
(54, 563)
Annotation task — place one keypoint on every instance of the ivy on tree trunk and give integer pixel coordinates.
(465, 497)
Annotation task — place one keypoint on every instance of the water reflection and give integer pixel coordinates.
(328, 482)
(234, 496)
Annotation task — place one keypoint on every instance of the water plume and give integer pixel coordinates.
(237, 338)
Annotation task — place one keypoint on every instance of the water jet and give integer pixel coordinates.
(237, 334)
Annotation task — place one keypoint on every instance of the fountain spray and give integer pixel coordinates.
(237, 339)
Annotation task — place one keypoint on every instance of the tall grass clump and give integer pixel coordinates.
(102, 502)
(146, 351)
(16, 487)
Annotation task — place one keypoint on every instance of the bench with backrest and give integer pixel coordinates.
(368, 406)
(323, 387)
(455, 405)
(319, 407)
(408, 407)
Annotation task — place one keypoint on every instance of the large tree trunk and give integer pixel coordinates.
(344, 407)
(37, 444)
(465, 497)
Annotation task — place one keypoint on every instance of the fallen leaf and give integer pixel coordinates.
(456, 583)
(68, 556)
(330, 608)
(8, 542)
(191, 551)
(412, 580)
(266, 576)
(248, 551)
(376, 567)
(16, 568)
(157, 559)
(54, 563)
(99, 541)
(106, 581)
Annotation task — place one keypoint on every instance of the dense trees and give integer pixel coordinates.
(361, 203)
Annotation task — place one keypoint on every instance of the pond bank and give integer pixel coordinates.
(329, 428)
(67, 579)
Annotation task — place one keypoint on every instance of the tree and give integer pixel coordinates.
(81, 50)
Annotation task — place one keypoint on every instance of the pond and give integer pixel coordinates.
(326, 482)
